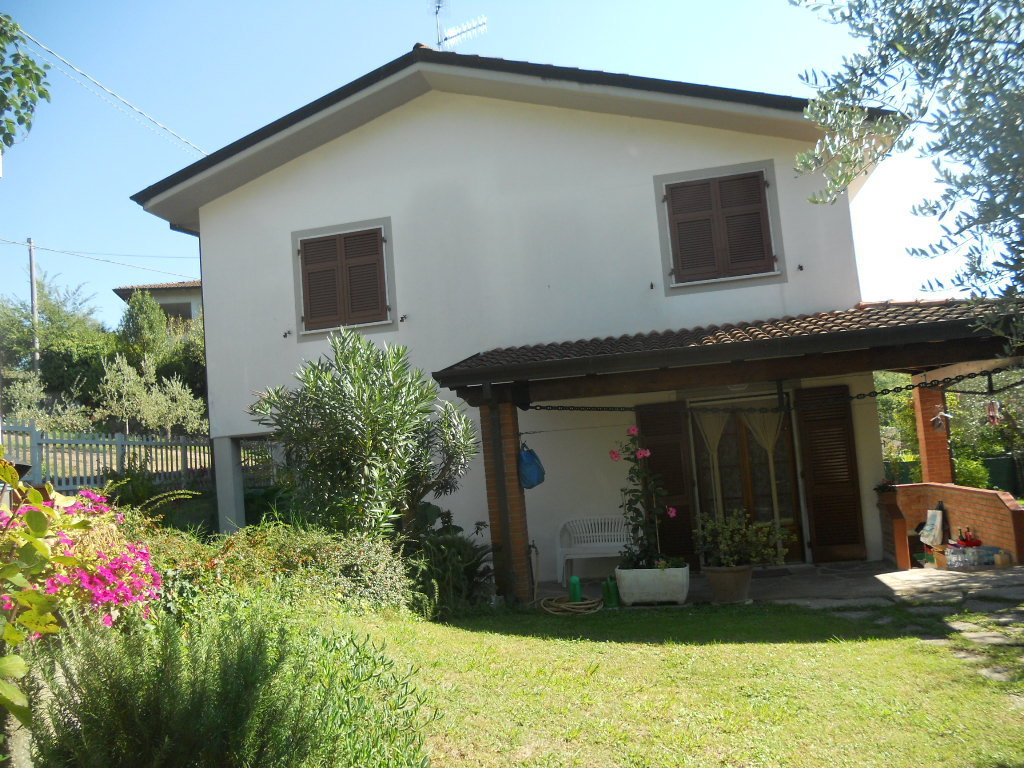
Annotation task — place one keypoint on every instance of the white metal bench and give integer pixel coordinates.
(590, 537)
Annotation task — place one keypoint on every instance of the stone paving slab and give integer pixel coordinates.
(990, 638)
(969, 656)
(939, 641)
(987, 606)
(853, 615)
(1014, 594)
(997, 674)
(963, 626)
(824, 603)
(932, 610)
(929, 597)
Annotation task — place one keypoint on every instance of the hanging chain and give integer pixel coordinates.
(943, 384)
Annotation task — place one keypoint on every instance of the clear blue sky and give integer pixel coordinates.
(215, 71)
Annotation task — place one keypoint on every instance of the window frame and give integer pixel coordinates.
(661, 185)
(297, 238)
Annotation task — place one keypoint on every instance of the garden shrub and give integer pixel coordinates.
(366, 437)
(971, 473)
(236, 686)
(453, 572)
(360, 572)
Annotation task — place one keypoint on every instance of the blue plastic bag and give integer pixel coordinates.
(531, 471)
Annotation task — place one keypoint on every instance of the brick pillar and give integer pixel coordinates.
(936, 464)
(506, 503)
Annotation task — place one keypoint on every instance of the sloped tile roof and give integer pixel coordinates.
(866, 320)
(125, 291)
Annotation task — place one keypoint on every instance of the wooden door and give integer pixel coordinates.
(664, 428)
(831, 483)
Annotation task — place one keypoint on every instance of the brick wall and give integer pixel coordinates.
(513, 569)
(995, 517)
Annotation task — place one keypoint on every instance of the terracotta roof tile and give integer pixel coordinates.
(158, 286)
(863, 317)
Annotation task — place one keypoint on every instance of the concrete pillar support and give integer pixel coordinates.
(506, 503)
(227, 464)
(936, 463)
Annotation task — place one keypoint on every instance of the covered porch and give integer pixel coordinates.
(775, 416)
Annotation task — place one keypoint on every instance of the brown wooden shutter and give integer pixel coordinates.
(692, 230)
(321, 282)
(364, 289)
(831, 484)
(719, 228)
(747, 247)
(664, 429)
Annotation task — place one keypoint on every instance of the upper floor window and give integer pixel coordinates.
(343, 279)
(718, 228)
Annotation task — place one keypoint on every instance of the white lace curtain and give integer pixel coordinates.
(711, 425)
(765, 427)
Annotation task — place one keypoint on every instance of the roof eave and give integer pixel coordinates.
(844, 341)
(178, 197)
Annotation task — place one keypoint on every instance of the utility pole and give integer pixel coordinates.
(35, 305)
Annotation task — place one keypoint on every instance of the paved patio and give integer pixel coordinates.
(849, 584)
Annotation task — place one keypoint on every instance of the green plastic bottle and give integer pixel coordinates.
(611, 593)
(575, 590)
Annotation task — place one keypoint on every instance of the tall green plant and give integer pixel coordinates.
(365, 436)
(234, 687)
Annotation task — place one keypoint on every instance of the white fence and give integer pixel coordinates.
(73, 461)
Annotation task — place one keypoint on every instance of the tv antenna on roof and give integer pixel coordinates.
(452, 36)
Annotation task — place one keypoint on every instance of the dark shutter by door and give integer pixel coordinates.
(831, 483)
(364, 295)
(321, 280)
(663, 428)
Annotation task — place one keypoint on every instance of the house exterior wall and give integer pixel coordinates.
(191, 296)
(510, 224)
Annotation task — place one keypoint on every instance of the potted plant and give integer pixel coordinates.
(731, 545)
(643, 574)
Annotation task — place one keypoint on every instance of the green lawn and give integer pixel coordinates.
(702, 686)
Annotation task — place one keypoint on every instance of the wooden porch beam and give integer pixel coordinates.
(921, 357)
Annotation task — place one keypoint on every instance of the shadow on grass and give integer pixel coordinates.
(706, 624)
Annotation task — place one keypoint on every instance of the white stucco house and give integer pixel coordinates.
(542, 236)
(183, 299)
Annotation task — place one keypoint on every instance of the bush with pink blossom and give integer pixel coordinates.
(60, 553)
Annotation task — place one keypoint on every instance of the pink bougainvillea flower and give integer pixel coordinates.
(6, 602)
(108, 620)
(614, 455)
(634, 430)
(671, 512)
(643, 453)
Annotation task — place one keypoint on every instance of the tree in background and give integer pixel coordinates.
(26, 401)
(22, 83)
(128, 395)
(365, 435)
(187, 358)
(951, 75)
(143, 332)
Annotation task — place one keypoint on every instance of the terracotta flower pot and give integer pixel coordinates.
(653, 585)
(729, 584)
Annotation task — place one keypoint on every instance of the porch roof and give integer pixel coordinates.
(926, 332)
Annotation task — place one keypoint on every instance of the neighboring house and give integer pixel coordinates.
(538, 236)
(182, 300)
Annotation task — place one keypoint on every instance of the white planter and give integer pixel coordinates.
(653, 585)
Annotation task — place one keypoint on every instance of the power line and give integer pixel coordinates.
(96, 258)
(133, 255)
(121, 99)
